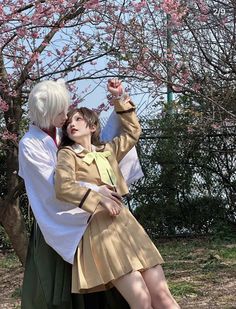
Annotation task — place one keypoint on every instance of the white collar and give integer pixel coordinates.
(78, 148)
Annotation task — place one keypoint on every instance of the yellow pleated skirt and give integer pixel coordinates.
(110, 248)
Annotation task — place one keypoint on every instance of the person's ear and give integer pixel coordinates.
(93, 128)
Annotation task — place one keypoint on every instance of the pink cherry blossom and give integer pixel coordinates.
(3, 105)
(91, 4)
(6, 135)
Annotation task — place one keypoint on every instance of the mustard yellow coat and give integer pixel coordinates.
(111, 246)
(71, 169)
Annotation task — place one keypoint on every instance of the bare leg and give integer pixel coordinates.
(133, 288)
(161, 297)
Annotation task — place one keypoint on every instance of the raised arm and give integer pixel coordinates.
(130, 127)
(130, 166)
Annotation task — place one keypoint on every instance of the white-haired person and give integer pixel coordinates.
(58, 226)
(114, 250)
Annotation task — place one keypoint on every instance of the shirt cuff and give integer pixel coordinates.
(123, 104)
(90, 201)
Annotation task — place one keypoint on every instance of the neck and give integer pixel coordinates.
(85, 143)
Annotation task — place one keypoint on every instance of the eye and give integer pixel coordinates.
(67, 124)
(79, 118)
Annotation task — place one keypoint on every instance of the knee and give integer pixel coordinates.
(142, 302)
(164, 299)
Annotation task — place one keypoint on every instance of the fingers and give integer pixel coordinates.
(115, 87)
(117, 201)
(115, 211)
(115, 208)
(111, 206)
(114, 82)
(116, 197)
(108, 191)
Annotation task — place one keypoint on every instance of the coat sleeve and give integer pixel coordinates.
(130, 166)
(130, 128)
(67, 189)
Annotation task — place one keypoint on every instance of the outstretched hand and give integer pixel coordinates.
(115, 87)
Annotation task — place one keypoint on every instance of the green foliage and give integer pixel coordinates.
(26, 211)
(223, 231)
(196, 267)
(9, 261)
(228, 253)
(4, 239)
(189, 184)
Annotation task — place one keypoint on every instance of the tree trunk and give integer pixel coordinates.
(10, 215)
(13, 223)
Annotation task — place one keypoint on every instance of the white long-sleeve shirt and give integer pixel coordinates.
(61, 224)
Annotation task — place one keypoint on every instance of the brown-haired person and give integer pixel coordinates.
(57, 226)
(114, 250)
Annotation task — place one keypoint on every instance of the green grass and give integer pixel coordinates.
(10, 260)
(181, 289)
(196, 267)
(228, 253)
(201, 249)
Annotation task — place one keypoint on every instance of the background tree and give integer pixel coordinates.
(38, 40)
(189, 186)
(200, 58)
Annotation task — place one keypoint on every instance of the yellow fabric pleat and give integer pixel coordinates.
(110, 248)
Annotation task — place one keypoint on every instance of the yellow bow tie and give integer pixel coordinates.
(105, 170)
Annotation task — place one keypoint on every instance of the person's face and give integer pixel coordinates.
(60, 119)
(78, 129)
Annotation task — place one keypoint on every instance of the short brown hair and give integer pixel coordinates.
(90, 117)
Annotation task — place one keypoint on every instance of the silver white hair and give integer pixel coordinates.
(46, 100)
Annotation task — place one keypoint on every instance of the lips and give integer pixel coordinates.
(72, 131)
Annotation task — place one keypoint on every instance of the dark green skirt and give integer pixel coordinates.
(47, 282)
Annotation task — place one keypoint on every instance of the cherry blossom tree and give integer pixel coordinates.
(187, 45)
(38, 40)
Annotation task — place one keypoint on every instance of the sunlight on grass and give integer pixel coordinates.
(195, 269)
(184, 289)
(228, 253)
